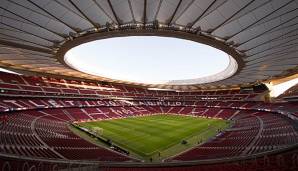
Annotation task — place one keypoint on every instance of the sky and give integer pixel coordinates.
(147, 59)
(6, 70)
(276, 90)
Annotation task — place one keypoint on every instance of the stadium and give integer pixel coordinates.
(133, 85)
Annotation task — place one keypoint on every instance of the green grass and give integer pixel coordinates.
(147, 136)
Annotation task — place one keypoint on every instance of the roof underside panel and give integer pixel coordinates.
(265, 31)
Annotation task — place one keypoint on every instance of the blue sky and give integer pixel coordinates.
(147, 59)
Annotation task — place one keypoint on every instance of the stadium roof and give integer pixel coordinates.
(261, 35)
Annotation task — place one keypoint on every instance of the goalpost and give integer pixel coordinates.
(98, 131)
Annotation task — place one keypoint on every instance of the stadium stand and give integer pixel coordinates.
(34, 86)
(34, 127)
(290, 95)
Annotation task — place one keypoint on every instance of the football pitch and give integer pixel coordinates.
(158, 137)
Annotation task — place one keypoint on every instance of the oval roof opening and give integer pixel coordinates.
(152, 60)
